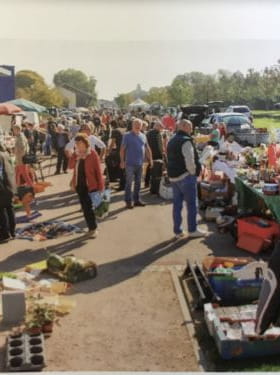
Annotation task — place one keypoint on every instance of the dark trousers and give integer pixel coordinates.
(61, 160)
(156, 174)
(88, 211)
(7, 221)
(148, 176)
(122, 179)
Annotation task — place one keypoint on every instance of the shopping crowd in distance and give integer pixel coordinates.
(99, 147)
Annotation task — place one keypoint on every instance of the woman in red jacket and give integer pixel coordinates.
(87, 178)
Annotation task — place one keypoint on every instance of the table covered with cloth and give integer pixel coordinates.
(250, 198)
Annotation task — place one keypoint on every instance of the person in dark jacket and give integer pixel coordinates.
(155, 141)
(61, 140)
(7, 190)
(183, 168)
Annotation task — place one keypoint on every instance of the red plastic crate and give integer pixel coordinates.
(250, 242)
(249, 225)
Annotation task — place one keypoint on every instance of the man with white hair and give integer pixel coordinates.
(61, 140)
(133, 150)
(183, 168)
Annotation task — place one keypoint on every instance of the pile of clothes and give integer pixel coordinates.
(47, 230)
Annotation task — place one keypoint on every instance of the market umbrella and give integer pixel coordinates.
(28, 106)
(8, 109)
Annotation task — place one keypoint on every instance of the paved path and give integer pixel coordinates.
(125, 319)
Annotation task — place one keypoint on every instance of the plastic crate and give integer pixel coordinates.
(233, 291)
(249, 225)
(235, 348)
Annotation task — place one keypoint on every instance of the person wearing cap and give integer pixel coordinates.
(155, 141)
(60, 141)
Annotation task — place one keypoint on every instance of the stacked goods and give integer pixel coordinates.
(71, 269)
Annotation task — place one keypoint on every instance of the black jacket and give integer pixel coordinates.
(7, 180)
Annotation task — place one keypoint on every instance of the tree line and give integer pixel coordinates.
(31, 86)
(258, 89)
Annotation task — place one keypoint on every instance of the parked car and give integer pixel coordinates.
(238, 124)
(244, 109)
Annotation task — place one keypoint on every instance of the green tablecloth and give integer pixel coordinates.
(250, 198)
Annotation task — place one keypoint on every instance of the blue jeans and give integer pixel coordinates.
(184, 190)
(132, 173)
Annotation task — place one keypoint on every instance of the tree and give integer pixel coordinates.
(31, 86)
(180, 91)
(158, 94)
(123, 100)
(80, 83)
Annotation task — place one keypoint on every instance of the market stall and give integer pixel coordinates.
(252, 198)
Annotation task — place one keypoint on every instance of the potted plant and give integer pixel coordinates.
(40, 318)
(33, 326)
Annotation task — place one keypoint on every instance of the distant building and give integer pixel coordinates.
(69, 95)
(138, 93)
(7, 83)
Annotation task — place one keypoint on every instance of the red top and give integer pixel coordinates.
(95, 180)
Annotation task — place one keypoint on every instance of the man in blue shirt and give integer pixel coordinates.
(133, 150)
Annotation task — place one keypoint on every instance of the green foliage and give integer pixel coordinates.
(158, 94)
(31, 86)
(123, 100)
(256, 89)
(84, 86)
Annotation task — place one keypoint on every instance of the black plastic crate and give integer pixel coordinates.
(25, 352)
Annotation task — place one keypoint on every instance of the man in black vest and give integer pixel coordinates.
(183, 169)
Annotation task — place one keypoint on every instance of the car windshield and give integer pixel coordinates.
(241, 109)
(235, 120)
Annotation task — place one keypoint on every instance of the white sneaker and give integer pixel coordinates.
(180, 235)
(92, 233)
(198, 233)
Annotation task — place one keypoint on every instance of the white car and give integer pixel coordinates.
(244, 109)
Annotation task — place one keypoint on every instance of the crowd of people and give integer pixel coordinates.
(103, 147)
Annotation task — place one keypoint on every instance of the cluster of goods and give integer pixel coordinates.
(47, 230)
(32, 302)
(239, 312)
(71, 269)
(234, 332)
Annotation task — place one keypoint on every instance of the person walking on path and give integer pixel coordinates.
(183, 168)
(155, 142)
(87, 178)
(133, 150)
(61, 140)
(7, 190)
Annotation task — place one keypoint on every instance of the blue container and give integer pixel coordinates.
(233, 291)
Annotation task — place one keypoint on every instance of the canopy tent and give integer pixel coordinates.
(8, 108)
(28, 106)
(138, 103)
